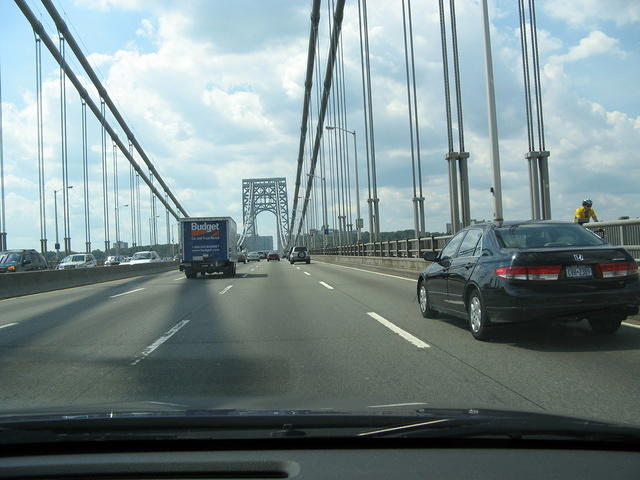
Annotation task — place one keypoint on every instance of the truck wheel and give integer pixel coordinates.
(189, 274)
(308, 262)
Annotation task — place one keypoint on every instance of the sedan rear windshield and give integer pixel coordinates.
(9, 257)
(300, 249)
(536, 235)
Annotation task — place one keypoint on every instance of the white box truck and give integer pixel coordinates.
(208, 245)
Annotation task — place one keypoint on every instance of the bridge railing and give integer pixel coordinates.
(405, 248)
(624, 233)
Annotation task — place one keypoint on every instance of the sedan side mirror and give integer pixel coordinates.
(430, 256)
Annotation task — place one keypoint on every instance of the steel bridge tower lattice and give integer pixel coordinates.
(265, 195)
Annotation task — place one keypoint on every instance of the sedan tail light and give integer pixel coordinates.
(618, 269)
(537, 272)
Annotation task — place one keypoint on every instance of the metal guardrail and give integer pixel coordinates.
(624, 233)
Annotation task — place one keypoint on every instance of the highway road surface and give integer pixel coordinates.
(303, 336)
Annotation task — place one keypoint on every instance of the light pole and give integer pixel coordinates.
(118, 226)
(55, 207)
(359, 221)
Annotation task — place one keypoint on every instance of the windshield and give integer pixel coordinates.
(271, 218)
(546, 235)
(9, 257)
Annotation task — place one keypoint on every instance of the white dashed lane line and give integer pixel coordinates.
(225, 289)
(369, 271)
(8, 325)
(326, 285)
(180, 278)
(168, 334)
(298, 268)
(126, 293)
(394, 328)
(307, 273)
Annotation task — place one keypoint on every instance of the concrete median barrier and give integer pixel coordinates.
(27, 283)
(396, 263)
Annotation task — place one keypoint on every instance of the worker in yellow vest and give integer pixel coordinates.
(585, 212)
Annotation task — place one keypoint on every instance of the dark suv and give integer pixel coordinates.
(21, 261)
(299, 254)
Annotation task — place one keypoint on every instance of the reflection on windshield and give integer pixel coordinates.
(546, 235)
(141, 256)
(9, 257)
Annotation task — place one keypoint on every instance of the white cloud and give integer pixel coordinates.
(581, 12)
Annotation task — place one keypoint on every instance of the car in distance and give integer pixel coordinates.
(262, 254)
(242, 257)
(115, 260)
(299, 254)
(253, 257)
(144, 257)
(273, 256)
(509, 272)
(21, 261)
(77, 260)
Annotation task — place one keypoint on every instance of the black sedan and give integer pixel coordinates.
(507, 272)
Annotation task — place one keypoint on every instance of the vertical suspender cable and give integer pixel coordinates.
(315, 19)
(416, 222)
(63, 149)
(105, 190)
(374, 183)
(544, 155)
(536, 75)
(417, 128)
(116, 195)
(346, 141)
(531, 161)
(41, 171)
(462, 155)
(335, 34)
(85, 180)
(525, 72)
(132, 200)
(366, 123)
(323, 174)
(451, 159)
(3, 233)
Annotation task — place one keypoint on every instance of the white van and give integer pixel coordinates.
(77, 260)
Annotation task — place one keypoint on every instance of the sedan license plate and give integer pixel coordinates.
(579, 271)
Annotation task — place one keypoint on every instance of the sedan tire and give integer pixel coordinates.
(605, 326)
(478, 320)
(423, 302)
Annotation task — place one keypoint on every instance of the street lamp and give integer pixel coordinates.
(55, 205)
(355, 152)
(118, 227)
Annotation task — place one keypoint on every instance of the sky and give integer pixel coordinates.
(214, 93)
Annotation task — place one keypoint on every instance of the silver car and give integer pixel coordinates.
(299, 254)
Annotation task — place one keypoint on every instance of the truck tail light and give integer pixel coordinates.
(537, 272)
(618, 269)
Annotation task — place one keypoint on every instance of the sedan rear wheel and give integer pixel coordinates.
(425, 305)
(478, 321)
(605, 326)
